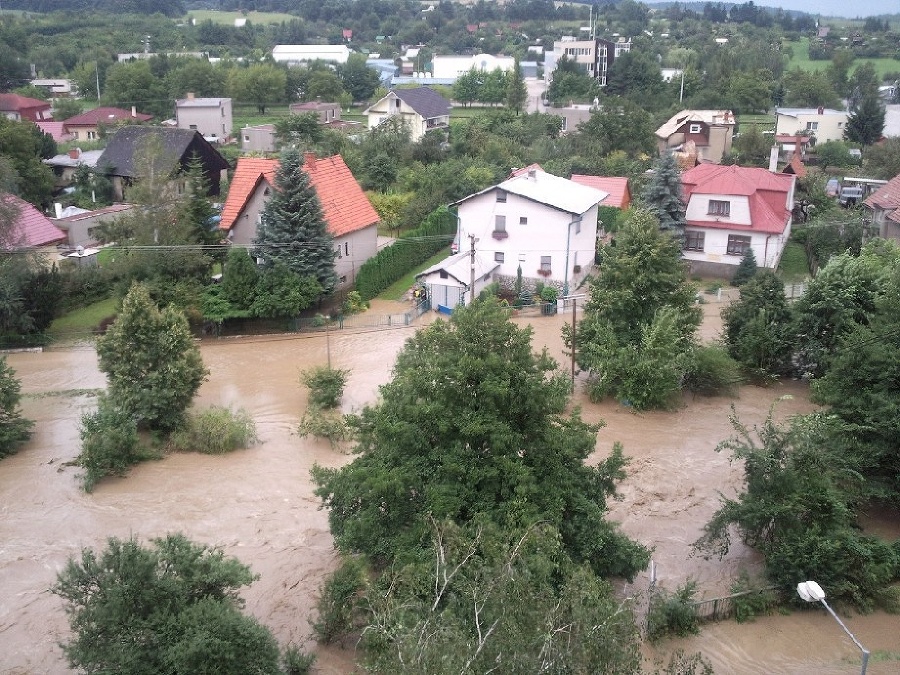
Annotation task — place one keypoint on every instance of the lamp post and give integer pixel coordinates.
(810, 591)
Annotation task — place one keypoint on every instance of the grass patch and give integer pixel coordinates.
(765, 122)
(801, 59)
(793, 266)
(396, 290)
(86, 318)
(227, 18)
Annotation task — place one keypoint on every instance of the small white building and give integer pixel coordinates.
(452, 67)
(297, 54)
(825, 124)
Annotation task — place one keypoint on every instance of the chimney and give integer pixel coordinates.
(309, 160)
(133, 111)
(773, 159)
(74, 153)
(57, 209)
(821, 110)
(532, 173)
(190, 96)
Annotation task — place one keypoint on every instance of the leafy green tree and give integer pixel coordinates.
(465, 89)
(14, 429)
(618, 125)
(197, 76)
(862, 84)
(883, 159)
(282, 293)
(301, 130)
(471, 429)
(198, 213)
(239, 278)
(262, 84)
(751, 92)
(641, 316)
(357, 79)
(516, 91)
(806, 89)
(834, 153)
(64, 108)
(662, 196)
(135, 84)
(866, 124)
(151, 362)
(293, 230)
(325, 85)
(746, 269)
(24, 146)
(169, 607)
(797, 508)
(752, 147)
(325, 384)
(635, 75)
(756, 326)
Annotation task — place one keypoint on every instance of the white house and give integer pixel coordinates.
(823, 123)
(731, 209)
(296, 54)
(541, 223)
(452, 67)
(421, 109)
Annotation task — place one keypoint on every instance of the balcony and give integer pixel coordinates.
(499, 235)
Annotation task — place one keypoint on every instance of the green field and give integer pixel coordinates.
(84, 319)
(227, 18)
(801, 59)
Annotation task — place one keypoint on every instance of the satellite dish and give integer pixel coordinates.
(79, 250)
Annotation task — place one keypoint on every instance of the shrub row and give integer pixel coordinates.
(411, 249)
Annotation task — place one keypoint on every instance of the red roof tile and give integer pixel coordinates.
(16, 102)
(618, 189)
(31, 228)
(766, 193)
(104, 115)
(344, 205)
(886, 197)
(524, 170)
(57, 130)
(795, 166)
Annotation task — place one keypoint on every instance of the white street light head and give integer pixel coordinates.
(810, 591)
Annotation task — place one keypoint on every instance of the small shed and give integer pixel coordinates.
(447, 282)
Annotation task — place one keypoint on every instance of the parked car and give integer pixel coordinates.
(832, 187)
(850, 196)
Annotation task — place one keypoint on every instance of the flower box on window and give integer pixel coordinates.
(545, 273)
(499, 234)
(577, 269)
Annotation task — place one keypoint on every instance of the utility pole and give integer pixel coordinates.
(472, 241)
(574, 304)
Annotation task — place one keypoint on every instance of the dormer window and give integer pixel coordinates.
(501, 196)
(695, 129)
(719, 207)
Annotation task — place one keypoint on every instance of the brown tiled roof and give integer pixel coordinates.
(105, 115)
(344, 205)
(887, 198)
(619, 192)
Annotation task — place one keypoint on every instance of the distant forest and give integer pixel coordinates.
(113, 7)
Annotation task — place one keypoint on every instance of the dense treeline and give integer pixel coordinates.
(113, 7)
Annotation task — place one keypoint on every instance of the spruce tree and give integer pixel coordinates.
(663, 196)
(866, 124)
(293, 229)
(516, 91)
(746, 270)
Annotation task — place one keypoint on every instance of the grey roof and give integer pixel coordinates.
(200, 102)
(122, 147)
(425, 101)
(88, 157)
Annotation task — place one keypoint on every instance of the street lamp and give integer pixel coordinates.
(810, 591)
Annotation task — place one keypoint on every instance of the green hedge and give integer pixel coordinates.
(411, 249)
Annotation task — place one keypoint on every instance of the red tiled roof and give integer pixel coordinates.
(887, 198)
(766, 193)
(795, 166)
(618, 189)
(344, 205)
(57, 130)
(524, 170)
(15, 102)
(104, 115)
(32, 228)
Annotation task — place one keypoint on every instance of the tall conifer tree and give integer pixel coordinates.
(293, 229)
(663, 196)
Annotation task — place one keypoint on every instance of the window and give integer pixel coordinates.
(443, 274)
(719, 208)
(499, 227)
(694, 129)
(545, 263)
(523, 220)
(193, 126)
(338, 251)
(693, 241)
(246, 139)
(812, 126)
(347, 248)
(343, 279)
(521, 257)
(501, 196)
(92, 135)
(738, 244)
(499, 256)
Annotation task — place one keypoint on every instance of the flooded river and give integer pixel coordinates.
(258, 503)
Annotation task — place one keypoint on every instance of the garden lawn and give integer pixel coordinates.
(84, 319)
(801, 59)
(396, 290)
(227, 18)
(793, 266)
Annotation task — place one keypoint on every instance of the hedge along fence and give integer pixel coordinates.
(411, 248)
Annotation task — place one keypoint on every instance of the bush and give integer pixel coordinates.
(672, 613)
(354, 304)
(215, 431)
(325, 384)
(324, 423)
(337, 605)
(713, 372)
(297, 662)
(14, 429)
(756, 601)
(109, 444)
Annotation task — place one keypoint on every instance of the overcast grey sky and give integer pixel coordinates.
(844, 8)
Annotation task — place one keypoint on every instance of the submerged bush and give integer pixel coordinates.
(214, 431)
(325, 384)
(672, 613)
(713, 372)
(328, 424)
(337, 606)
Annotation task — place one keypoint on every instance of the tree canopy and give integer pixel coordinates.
(14, 429)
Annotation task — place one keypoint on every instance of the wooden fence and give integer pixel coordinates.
(717, 609)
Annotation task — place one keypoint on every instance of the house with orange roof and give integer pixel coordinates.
(350, 217)
(885, 206)
(731, 209)
(618, 189)
(31, 231)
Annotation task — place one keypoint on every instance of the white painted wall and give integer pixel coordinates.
(698, 209)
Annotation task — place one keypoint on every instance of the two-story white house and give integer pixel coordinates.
(731, 209)
(212, 117)
(824, 124)
(541, 223)
(421, 109)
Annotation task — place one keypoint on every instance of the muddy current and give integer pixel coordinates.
(258, 504)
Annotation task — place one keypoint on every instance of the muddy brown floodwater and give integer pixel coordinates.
(258, 504)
